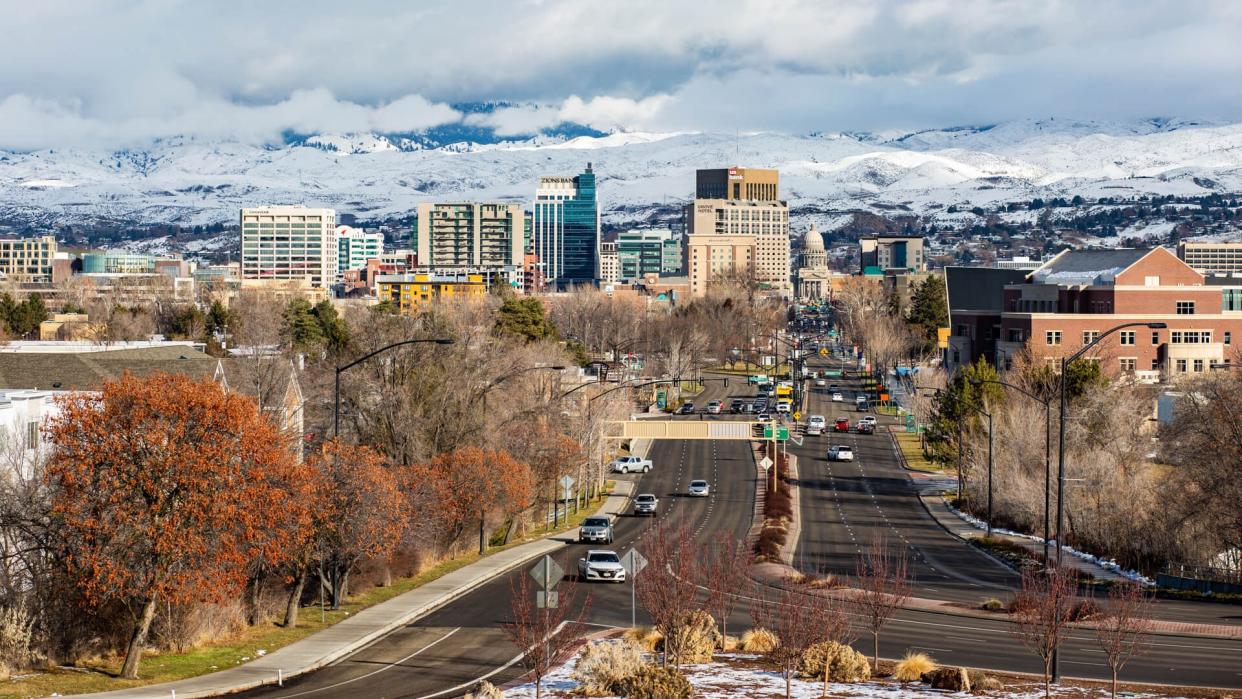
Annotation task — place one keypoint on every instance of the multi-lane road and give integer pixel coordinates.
(843, 506)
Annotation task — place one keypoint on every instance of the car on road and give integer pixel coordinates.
(698, 489)
(686, 408)
(735, 406)
(834, 388)
(631, 464)
(596, 529)
(783, 406)
(816, 424)
(714, 407)
(763, 417)
(837, 397)
(842, 424)
(864, 427)
(868, 418)
(840, 452)
(646, 504)
(820, 383)
(601, 565)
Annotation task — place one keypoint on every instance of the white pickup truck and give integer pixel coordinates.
(630, 464)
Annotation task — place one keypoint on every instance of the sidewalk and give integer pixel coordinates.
(340, 640)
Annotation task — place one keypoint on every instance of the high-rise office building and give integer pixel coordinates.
(644, 252)
(469, 235)
(27, 259)
(289, 243)
(355, 246)
(764, 222)
(565, 230)
(745, 183)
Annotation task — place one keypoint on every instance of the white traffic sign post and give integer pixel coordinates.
(546, 574)
(566, 483)
(633, 563)
(765, 464)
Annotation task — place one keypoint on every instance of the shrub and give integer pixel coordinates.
(603, 664)
(844, 663)
(771, 540)
(16, 634)
(913, 666)
(954, 679)
(655, 683)
(486, 690)
(1084, 610)
(645, 637)
(992, 605)
(694, 640)
(759, 641)
(729, 644)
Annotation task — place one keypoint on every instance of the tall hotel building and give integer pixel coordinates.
(739, 229)
(565, 230)
(469, 235)
(292, 243)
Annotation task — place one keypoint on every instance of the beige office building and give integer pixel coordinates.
(737, 183)
(289, 243)
(469, 235)
(714, 258)
(764, 223)
(27, 259)
(1209, 258)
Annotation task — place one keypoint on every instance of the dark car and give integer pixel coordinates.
(736, 405)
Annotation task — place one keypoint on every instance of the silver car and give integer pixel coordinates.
(699, 489)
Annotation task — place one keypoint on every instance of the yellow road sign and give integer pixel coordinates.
(823, 351)
(797, 416)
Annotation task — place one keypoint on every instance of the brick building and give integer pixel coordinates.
(1077, 295)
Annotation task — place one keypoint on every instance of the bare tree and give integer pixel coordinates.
(723, 573)
(799, 619)
(1042, 612)
(1123, 627)
(883, 587)
(544, 633)
(666, 588)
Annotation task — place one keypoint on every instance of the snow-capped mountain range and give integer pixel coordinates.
(190, 182)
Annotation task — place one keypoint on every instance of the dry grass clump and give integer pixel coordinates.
(604, 664)
(844, 664)
(912, 667)
(759, 641)
(486, 690)
(645, 637)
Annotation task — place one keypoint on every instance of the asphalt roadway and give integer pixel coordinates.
(846, 504)
(445, 653)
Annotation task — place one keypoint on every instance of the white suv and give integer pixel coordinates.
(840, 453)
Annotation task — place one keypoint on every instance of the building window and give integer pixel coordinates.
(1155, 337)
(1198, 366)
(32, 435)
(1151, 281)
(1089, 336)
(1129, 364)
(1228, 336)
(1155, 365)
(1181, 366)
(1053, 337)
(1127, 337)
(1185, 308)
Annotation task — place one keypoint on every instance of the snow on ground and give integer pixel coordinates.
(743, 676)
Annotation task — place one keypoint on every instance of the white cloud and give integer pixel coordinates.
(108, 72)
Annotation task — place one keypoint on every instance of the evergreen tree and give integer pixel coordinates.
(218, 318)
(524, 318)
(331, 326)
(302, 330)
(929, 311)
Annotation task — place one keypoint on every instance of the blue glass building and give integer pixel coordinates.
(565, 229)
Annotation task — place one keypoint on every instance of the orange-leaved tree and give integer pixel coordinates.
(468, 484)
(163, 489)
(361, 515)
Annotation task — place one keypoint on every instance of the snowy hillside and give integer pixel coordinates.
(190, 182)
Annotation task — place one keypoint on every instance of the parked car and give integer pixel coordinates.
(840, 453)
(698, 489)
(686, 408)
(602, 566)
(866, 427)
(837, 397)
(842, 424)
(816, 424)
(631, 464)
(597, 529)
(646, 504)
(714, 407)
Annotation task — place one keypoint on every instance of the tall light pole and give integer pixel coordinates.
(1065, 362)
(336, 406)
(1047, 403)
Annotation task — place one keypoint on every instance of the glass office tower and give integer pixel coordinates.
(565, 230)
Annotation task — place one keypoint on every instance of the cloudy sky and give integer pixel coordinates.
(90, 73)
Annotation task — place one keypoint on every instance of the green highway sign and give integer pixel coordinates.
(782, 433)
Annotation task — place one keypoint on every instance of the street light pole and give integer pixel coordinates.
(1065, 362)
(336, 403)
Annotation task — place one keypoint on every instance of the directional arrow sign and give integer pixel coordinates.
(765, 464)
(547, 573)
(633, 562)
(567, 482)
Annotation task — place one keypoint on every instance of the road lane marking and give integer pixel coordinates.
(389, 666)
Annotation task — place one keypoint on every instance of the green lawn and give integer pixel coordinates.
(912, 449)
(99, 675)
